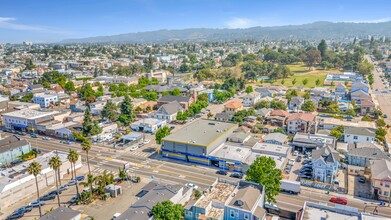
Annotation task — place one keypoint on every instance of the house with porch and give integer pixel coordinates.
(325, 162)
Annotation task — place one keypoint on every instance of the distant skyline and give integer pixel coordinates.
(52, 21)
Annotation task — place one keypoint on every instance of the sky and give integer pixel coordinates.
(54, 20)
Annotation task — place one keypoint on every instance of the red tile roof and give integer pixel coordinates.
(301, 116)
(279, 113)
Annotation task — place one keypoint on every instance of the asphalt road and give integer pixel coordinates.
(162, 169)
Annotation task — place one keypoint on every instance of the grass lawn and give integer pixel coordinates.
(301, 72)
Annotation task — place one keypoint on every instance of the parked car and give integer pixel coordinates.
(298, 159)
(146, 141)
(385, 116)
(63, 188)
(73, 199)
(46, 138)
(172, 127)
(15, 215)
(192, 185)
(291, 162)
(65, 142)
(55, 192)
(362, 179)
(295, 153)
(48, 197)
(25, 209)
(140, 145)
(71, 183)
(339, 200)
(33, 135)
(237, 175)
(36, 203)
(307, 176)
(133, 148)
(222, 172)
(80, 178)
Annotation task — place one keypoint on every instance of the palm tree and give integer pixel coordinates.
(104, 180)
(86, 146)
(73, 157)
(90, 180)
(55, 163)
(35, 168)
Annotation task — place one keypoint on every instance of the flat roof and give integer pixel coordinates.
(30, 113)
(320, 211)
(266, 148)
(231, 152)
(220, 192)
(201, 132)
(336, 121)
(16, 175)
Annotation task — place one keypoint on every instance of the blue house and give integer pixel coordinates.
(246, 203)
(325, 163)
(77, 106)
(356, 86)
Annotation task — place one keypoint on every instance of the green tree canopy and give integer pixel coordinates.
(264, 172)
(161, 133)
(110, 111)
(126, 107)
(249, 89)
(308, 106)
(167, 210)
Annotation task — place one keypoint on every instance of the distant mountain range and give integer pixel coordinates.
(312, 31)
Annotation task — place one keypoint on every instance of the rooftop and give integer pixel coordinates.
(360, 131)
(220, 192)
(313, 211)
(11, 142)
(336, 121)
(13, 176)
(246, 195)
(30, 113)
(61, 213)
(231, 152)
(203, 132)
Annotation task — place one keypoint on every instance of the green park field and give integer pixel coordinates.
(301, 72)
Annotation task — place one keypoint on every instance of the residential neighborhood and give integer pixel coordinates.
(213, 124)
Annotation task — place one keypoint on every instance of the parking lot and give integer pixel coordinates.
(356, 188)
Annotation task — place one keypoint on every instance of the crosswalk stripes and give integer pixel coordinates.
(140, 154)
(100, 171)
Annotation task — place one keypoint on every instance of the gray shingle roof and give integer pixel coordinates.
(61, 213)
(170, 98)
(171, 108)
(372, 153)
(326, 153)
(11, 142)
(381, 169)
(360, 131)
(275, 137)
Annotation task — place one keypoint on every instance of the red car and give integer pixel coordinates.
(339, 200)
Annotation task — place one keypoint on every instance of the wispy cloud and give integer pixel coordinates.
(374, 21)
(240, 23)
(9, 23)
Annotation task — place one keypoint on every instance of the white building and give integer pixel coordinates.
(359, 135)
(27, 118)
(149, 125)
(45, 100)
(251, 99)
(108, 132)
(16, 182)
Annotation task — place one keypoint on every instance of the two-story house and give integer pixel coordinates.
(360, 86)
(359, 95)
(301, 122)
(295, 103)
(340, 91)
(250, 99)
(325, 162)
(45, 100)
(246, 202)
(367, 106)
(381, 179)
(184, 101)
(168, 111)
(77, 106)
(360, 154)
(359, 135)
(233, 106)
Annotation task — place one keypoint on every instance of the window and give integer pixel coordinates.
(381, 183)
(246, 216)
(232, 213)
(385, 193)
(387, 185)
(367, 138)
(355, 137)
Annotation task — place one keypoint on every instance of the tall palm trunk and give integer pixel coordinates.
(59, 176)
(39, 204)
(77, 187)
(88, 164)
(72, 169)
(58, 193)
